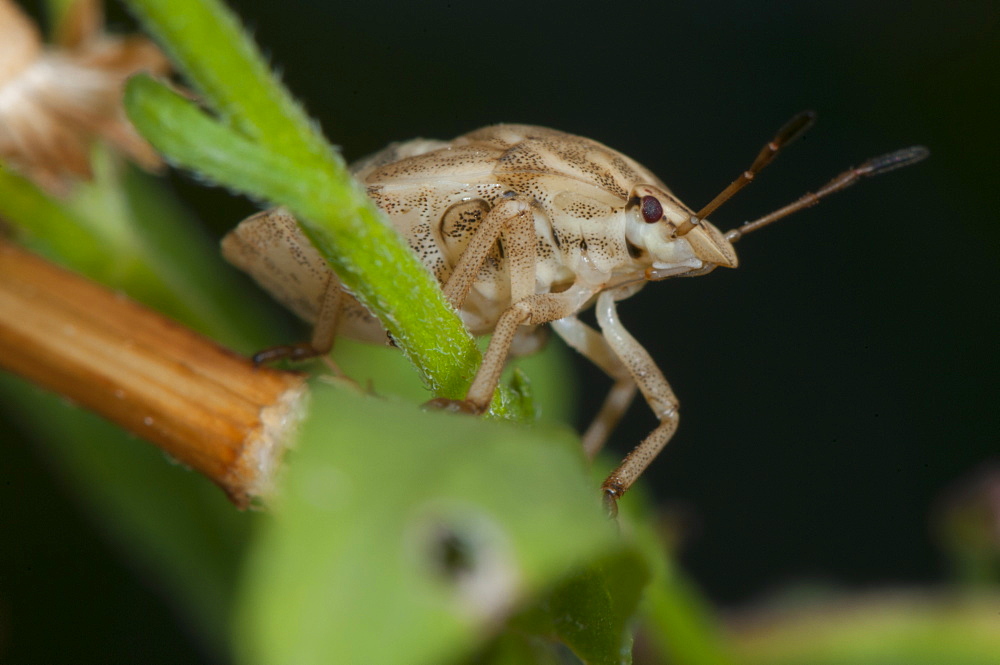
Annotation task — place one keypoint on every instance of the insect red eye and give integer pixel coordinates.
(652, 211)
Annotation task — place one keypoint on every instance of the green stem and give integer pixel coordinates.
(366, 253)
(207, 43)
(276, 153)
(49, 228)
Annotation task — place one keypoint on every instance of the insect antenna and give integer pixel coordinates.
(874, 166)
(792, 130)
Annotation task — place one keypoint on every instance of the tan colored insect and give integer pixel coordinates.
(524, 226)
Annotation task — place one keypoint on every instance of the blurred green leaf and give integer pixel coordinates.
(427, 527)
(518, 648)
(893, 628)
(591, 612)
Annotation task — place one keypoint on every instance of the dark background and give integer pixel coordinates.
(833, 387)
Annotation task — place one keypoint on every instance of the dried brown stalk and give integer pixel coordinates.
(209, 408)
(55, 100)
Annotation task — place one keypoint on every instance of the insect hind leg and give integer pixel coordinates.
(323, 333)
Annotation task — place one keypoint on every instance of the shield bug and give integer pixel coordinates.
(524, 226)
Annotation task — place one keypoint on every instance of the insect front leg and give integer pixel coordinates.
(512, 217)
(592, 345)
(654, 388)
(533, 310)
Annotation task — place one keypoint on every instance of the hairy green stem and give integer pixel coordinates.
(268, 148)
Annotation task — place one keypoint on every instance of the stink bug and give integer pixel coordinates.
(524, 226)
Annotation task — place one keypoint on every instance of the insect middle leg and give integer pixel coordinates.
(592, 345)
(654, 388)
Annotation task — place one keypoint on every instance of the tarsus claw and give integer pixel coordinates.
(300, 351)
(453, 406)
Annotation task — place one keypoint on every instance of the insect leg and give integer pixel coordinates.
(514, 219)
(325, 327)
(324, 330)
(654, 388)
(533, 310)
(593, 346)
(271, 247)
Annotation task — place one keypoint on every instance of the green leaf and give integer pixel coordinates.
(404, 536)
(592, 610)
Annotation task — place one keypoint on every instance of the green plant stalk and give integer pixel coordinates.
(206, 42)
(364, 254)
(51, 228)
(209, 46)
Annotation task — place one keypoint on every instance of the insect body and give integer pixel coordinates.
(524, 226)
